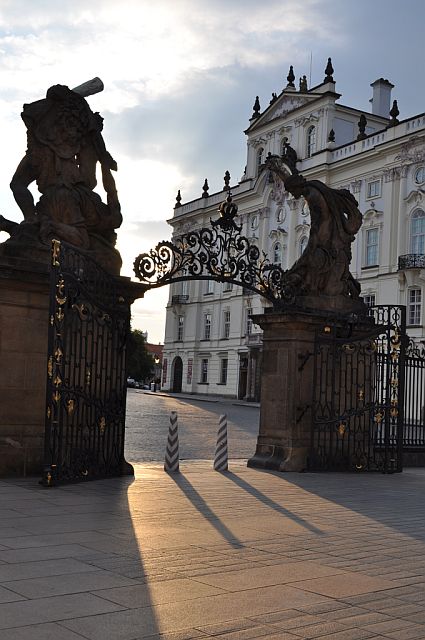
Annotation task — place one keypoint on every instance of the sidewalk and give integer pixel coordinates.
(199, 554)
(203, 398)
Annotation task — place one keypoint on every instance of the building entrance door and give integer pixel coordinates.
(177, 375)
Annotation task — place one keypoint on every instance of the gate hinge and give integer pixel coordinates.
(304, 358)
(302, 409)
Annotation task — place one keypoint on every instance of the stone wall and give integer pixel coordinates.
(24, 307)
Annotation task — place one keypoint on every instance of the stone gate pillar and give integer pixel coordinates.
(286, 390)
(24, 312)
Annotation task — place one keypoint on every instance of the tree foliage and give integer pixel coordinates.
(140, 363)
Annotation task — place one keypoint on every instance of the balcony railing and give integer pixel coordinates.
(180, 299)
(411, 261)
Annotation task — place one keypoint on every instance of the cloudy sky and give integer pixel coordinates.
(180, 81)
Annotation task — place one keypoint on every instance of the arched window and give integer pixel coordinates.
(277, 253)
(260, 158)
(303, 244)
(311, 141)
(417, 232)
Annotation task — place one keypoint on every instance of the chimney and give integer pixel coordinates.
(381, 99)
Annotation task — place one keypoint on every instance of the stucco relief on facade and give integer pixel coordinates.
(411, 151)
(278, 193)
(415, 197)
(395, 173)
(355, 186)
(287, 105)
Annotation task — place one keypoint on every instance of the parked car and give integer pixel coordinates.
(131, 383)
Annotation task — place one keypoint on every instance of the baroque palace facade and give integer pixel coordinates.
(211, 344)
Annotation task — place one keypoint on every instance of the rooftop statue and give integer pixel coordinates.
(321, 277)
(65, 144)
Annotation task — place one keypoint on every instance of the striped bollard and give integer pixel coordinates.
(220, 459)
(171, 462)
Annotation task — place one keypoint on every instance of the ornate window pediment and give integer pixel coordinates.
(312, 118)
(373, 218)
(415, 197)
(303, 228)
(411, 151)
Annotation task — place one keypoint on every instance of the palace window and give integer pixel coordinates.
(184, 284)
(248, 321)
(417, 232)
(373, 189)
(277, 253)
(311, 141)
(204, 370)
(260, 158)
(180, 327)
(254, 222)
(226, 323)
(227, 286)
(223, 370)
(370, 300)
(414, 306)
(372, 248)
(185, 287)
(302, 245)
(209, 286)
(207, 326)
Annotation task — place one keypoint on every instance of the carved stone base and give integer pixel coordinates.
(277, 458)
(24, 243)
(127, 469)
(338, 305)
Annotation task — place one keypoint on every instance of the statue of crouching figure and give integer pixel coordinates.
(64, 146)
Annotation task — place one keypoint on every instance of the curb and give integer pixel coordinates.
(236, 403)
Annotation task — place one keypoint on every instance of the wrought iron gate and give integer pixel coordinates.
(358, 395)
(86, 379)
(414, 405)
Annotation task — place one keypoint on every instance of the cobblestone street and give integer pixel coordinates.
(148, 420)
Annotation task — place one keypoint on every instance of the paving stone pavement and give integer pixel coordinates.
(200, 554)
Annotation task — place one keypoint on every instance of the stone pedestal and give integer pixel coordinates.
(286, 390)
(24, 309)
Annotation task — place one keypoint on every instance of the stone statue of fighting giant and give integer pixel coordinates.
(65, 144)
(320, 279)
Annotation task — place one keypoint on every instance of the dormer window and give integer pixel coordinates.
(311, 141)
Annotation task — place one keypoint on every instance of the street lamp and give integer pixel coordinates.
(156, 370)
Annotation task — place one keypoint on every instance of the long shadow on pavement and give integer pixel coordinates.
(90, 555)
(395, 500)
(262, 497)
(199, 503)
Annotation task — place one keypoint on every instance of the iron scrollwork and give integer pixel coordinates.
(219, 253)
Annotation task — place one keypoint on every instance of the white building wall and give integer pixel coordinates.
(384, 157)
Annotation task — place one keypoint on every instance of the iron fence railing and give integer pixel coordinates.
(411, 261)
